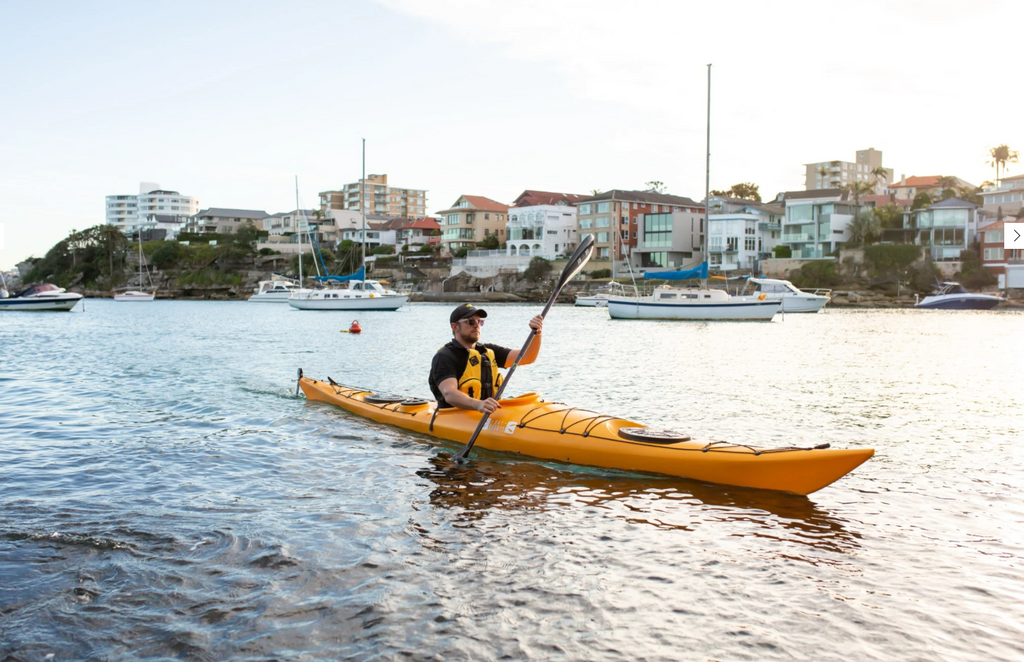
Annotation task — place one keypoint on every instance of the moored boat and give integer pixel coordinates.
(952, 296)
(599, 299)
(794, 300)
(528, 425)
(359, 295)
(692, 303)
(275, 290)
(43, 296)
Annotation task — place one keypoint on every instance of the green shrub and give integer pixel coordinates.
(782, 252)
(820, 273)
(537, 269)
(891, 260)
(167, 253)
(601, 273)
(383, 250)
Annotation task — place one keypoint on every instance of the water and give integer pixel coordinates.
(166, 495)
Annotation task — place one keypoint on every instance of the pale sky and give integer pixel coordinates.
(230, 101)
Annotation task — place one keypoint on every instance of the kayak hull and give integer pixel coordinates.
(530, 426)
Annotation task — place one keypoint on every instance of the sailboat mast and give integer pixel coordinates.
(707, 182)
(362, 209)
(298, 227)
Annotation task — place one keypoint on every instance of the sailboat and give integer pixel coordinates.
(358, 293)
(135, 295)
(693, 303)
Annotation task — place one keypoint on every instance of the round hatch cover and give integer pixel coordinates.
(382, 398)
(414, 402)
(652, 435)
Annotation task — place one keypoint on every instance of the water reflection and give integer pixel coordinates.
(473, 490)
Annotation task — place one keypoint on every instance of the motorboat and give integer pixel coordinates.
(43, 296)
(952, 296)
(358, 295)
(276, 290)
(600, 298)
(693, 303)
(794, 300)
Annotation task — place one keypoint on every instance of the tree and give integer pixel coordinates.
(654, 186)
(537, 269)
(881, 175)
(865, 229)
(857, 189)
(999, 157)
(888, 217)
(743, 190)
(921, 200)
(489, 243)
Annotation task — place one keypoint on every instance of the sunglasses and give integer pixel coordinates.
(473, 321)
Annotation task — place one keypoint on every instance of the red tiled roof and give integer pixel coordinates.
(917, 182)
(529, 198)
(425, 223)
(480, 203)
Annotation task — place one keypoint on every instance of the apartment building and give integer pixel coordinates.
(378, 198)
(1006, 199)
(542, 223)
(131, 213)
(816, 222)
(471, 219)
(836, 174)
(224, 221)
(740, 238)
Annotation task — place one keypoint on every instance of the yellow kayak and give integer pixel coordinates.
(531, 426)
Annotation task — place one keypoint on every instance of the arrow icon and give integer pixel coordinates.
(1016, 233)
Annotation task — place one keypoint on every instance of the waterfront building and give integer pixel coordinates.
(908, 187)
(836, 174)
(742, 237)
(470, 220)
(1006, 264)
(378, 198)
(415, 233)
(1005, 199)
(619, 221)
(283, 223)
(943, 229)
(542, 223)
(224, 221)
(131, 212)
(377, 232)
(816, 222)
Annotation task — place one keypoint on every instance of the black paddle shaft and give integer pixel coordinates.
(577, 260)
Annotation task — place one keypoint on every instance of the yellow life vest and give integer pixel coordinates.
(481, 379)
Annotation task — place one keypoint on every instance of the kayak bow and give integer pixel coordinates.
(528, 425)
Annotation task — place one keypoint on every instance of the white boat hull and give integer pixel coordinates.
(596, 301)
(351, 302)
(63, 302)
(808, 303)
(270, 297)
(642, 308)
(135, 296)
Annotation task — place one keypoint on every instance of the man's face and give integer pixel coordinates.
(468, 330)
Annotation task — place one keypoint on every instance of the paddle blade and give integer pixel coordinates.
(577, 260)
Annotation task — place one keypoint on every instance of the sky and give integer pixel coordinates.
(230, 102)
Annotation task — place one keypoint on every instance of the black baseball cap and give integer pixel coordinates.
(464, 311)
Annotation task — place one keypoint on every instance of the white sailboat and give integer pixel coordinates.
(358, 293)
(136, 295)
(693, 303)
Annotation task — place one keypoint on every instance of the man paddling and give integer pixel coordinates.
(464, 373)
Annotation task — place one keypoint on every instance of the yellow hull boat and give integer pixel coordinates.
(553, 431)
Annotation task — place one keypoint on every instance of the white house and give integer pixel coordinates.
(542, 223)
(740, 239)
(131, 212)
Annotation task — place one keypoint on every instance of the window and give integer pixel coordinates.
(657, 230)
(601, 238)
(584, 210)
(994, 237)
(487, 217)
(733, 244)
(603, 207)
(601, 222)
(748, 244)
(653, 259)
(586, 223)
(993, 253)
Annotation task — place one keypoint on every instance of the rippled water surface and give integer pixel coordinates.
(165, 493)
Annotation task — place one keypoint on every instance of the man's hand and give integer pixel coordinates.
(537, 323)
(488, 406)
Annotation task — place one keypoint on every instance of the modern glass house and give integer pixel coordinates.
(816, 223)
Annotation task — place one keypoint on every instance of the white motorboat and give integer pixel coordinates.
(134, 295)
(794, 300)
(692, 303)
(276, 290)
(43, 296)
(359, 295)
(600, 298)
(952, 296)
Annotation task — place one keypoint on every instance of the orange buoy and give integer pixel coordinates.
(355, 328)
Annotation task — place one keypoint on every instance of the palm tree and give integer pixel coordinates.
(881, 175)
(857, 189)
(865, 229)
(1000, 156)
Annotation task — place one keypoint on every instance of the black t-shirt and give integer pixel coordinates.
(450, 362)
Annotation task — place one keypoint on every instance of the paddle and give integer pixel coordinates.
(577, 260)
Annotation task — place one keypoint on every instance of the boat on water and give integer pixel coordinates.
(794, 300)
(42, 296)
(693, 303)
(275, 290)
(599, 299)
(528, 425)
(953, 296)
(135, 295)
(358, 295)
